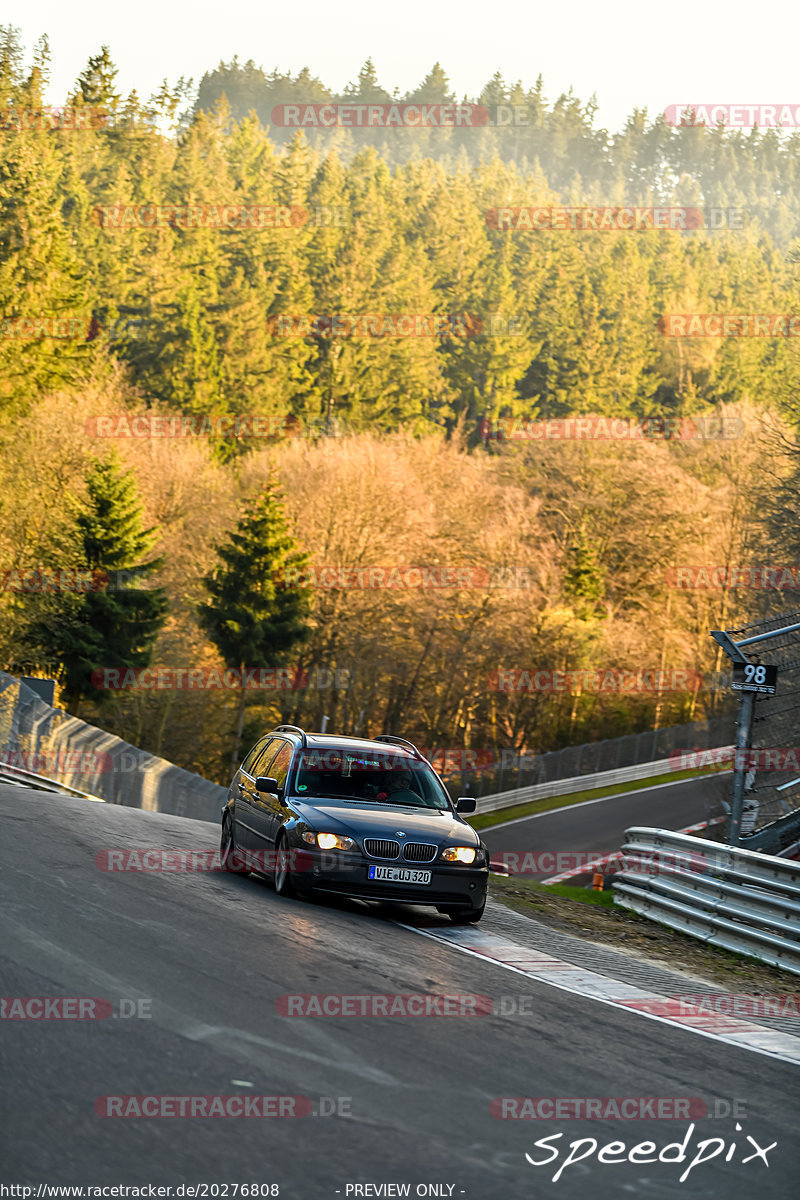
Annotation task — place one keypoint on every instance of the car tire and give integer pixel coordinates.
(228, 851)
(283, 876)
(470, 917)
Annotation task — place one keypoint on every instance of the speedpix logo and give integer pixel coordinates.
(617, 1152)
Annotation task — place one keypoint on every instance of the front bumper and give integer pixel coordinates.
(347, 875)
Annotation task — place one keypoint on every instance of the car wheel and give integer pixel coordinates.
(230, 855)
(470, 917)
(283, 875)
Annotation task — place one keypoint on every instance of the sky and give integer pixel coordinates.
(629, 55)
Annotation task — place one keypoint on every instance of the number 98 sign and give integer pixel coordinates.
(748, 677)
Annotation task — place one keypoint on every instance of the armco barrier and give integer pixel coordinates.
(579, 783)
(89, 761)
(726, 896)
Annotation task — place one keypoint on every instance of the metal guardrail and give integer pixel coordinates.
(43, 782)
(580, 783)
(737, 899)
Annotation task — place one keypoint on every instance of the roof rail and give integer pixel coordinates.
(293, 729)
(398, 741)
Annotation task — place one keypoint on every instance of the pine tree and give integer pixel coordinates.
(44, 292)
(434, 89)
(583, 578)
(367, 89)
(256, 611)
(96, 84)
(116, 625)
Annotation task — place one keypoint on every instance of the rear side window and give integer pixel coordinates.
(276, 765)
(257, 750)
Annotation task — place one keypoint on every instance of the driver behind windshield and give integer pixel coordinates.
(398, 790)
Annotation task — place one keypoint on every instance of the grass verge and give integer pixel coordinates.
(595, 917)
(486, 820)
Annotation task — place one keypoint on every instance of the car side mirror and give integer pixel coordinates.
(265, 783)
(466, 804)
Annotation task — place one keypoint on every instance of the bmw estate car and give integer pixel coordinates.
(369, 819)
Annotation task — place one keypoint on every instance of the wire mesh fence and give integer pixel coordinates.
(45, 741)
(509, 771)
(772, 779)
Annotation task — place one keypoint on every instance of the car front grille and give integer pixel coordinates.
(419, 852)
(381, 848)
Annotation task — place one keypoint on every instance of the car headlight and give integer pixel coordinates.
(329, 841)
(461, 854)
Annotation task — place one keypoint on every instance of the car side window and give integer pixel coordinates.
(279, 764)
(255, 753)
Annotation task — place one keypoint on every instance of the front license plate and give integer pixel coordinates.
(399, 875)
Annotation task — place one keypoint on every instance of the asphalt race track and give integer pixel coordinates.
(598, 827)
(208, 956)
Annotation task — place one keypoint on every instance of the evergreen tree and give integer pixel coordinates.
(43, 286)
(434, 89)
(367, 89)
(115, 625)
(256, 611)
(583, 578)
(97, 83)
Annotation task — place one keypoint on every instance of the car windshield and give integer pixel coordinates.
(378, 777)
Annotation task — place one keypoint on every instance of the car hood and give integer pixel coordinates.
(383, 822)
